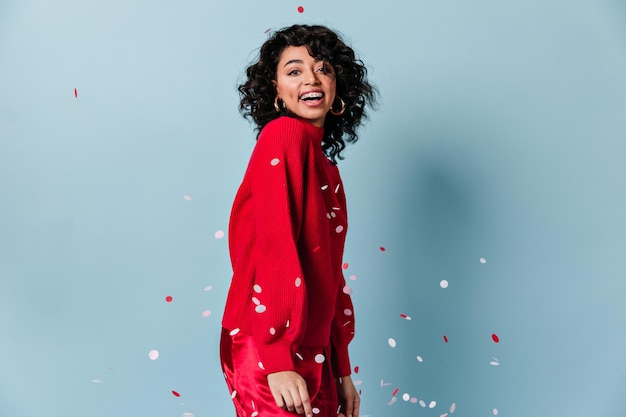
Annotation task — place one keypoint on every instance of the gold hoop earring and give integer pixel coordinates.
(340, 112)
(277, 106)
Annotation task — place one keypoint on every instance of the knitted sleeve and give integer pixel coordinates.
(343, 325)
(277, 170)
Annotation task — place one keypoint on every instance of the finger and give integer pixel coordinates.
(278, 398)
(307, 408)
(289, 402)
(357, 406)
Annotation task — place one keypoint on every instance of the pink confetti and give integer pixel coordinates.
(445, 338)
(187, 197)
(300, 9)
(347, 290)
(219, 234)
(413, 400)
(206, 313)
(169, 299)
(339, 229)
(352, 277)
(175, 394)
(393, 400)
(345, 265)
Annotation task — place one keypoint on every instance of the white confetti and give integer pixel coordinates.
(234, 393)
(153, 354)
(187, 415)
(324, 187)
(337, 188)
(298, 282)
(274, 162)
(432, 404)
(260, 308)
(206, 313)
(234, 331)
(422, 403)
(261, 365)
(256, 301)
(272, 331)
(393, 400)
(219, 234)
(254, 414)
(443, 283)
(406, 397)
(339, 229)
(347, 312)
(347, 290)
(257, 288)
(299, 356)
(452, 408)
(187, 197)
(420, 359)
(495, 411)
(96, 381)
(392, 342)
(494, 363)
(483, 261)
(319, 358)
(316, 410)
(208, 288)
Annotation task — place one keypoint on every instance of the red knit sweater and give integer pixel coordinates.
(286, 238)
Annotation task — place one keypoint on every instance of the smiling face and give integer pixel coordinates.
(307, 86)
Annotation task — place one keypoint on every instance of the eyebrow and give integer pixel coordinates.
(299, 61)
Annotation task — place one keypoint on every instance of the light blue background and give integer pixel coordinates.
(500, 135)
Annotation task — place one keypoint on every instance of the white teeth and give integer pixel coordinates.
(311, 96)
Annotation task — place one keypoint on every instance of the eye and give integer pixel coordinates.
(293, 72)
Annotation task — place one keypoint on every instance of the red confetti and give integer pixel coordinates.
(169, 298)
(445, 338)
(316, 249)
(345, 265)
(175, 394)
(356, 369)
(76, 93)
(404, 316)
(382, 249)
(495, 338)
(267, 30)
(395, 391)
(300, 9)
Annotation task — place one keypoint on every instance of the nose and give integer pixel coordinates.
(311, 78)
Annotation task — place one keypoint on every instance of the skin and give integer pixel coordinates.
(297, 73)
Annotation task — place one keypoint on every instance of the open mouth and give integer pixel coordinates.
(312, 96)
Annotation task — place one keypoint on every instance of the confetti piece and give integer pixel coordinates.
(393, 400)
(420, 359)
(316, 249)
(444, 415)
(169, 299)
(406, 397)
(261, 365)
(256, 301)
(483, 261)
(233, 394)
(316, 410)
(267, 30)
(383, 383)
(96, 381)
(153, 354)
(422, 404)
(206, 313)
(319, 358)
(300, 9)
(495, 338)
(382, 249)
(356, 369)
(298, 282)
(219, 234)
(413, 400)
(274, 162)
(395, 391)
(260, 308)
(495, 411)
(299, 356)
(445, 338)
(208, 288)
(76, 93)
(337, 188)
(187, 197)
(352, 277)
(357, 382)
(347, 290)
(494, 363)
(234, 331)
(392, 342)
(257, 288)
(452, 408)
(339, 229)
(175, 394)
(347, 312)
(187, 415)
(325, 187)
(254, 414)
(345, 265)
(404, 316)
(443, 283)
(432, 404)
(272, 331)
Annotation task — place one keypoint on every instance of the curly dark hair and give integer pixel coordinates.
(258, 91)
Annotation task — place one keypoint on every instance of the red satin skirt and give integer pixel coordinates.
(248, 384)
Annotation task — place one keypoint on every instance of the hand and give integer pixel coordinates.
(349, 400)
(289, 391)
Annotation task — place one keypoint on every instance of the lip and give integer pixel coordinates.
(312, 91)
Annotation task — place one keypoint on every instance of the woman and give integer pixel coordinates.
(287, 321)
